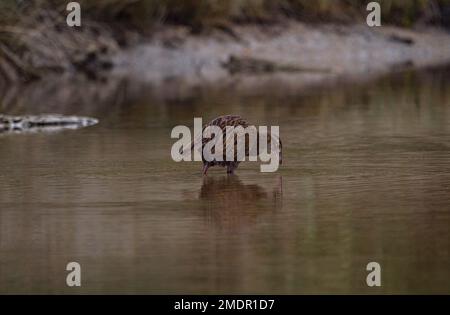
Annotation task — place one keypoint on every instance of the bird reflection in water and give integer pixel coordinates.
(230, 203)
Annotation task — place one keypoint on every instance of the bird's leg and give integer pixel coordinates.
(230, 169)
(205, 168)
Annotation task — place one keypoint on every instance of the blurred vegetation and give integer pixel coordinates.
(203, 12)
(200, 13)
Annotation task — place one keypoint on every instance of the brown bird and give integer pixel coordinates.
(233, 121)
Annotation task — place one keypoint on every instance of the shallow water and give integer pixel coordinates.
(365, 177)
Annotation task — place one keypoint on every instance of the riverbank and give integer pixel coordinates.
(174, 63)
(151, 41)
(294, 54)
(250, 58)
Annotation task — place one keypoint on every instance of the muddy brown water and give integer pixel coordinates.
(365, 177)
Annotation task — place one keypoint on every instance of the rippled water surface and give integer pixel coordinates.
(365, 177)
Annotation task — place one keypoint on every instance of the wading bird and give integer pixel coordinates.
(233, 121)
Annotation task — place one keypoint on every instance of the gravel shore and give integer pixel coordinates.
(174, 56)
(280, 60)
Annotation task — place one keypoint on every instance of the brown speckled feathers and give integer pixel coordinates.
(222, 122)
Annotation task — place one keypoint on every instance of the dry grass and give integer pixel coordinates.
(145, 13)
(195, 12)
